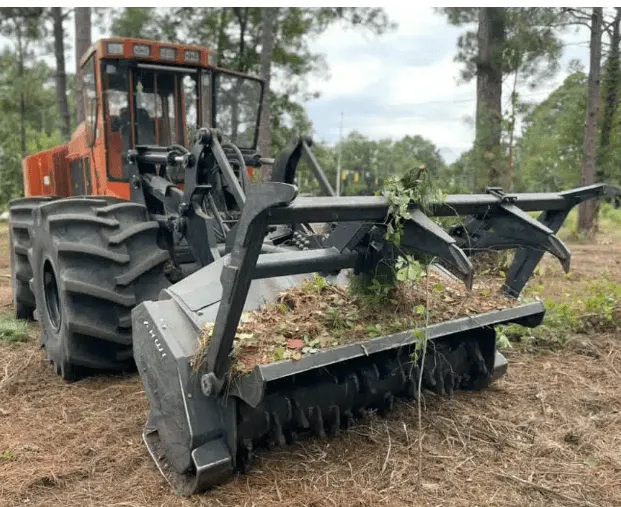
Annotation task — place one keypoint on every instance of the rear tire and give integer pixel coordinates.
(20, 221)
(94, 259)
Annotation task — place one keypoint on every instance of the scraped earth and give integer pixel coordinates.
(548, 434)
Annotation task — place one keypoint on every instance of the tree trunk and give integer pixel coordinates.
(586, 210)
(222, 23)
(612, 81)
(491, 37)
(61, 75)
(267, 45)
(508, 183)
(22, 100)
(82, 43)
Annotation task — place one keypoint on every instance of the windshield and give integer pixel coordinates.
(170, 104)
(237, 101)
(166, 106)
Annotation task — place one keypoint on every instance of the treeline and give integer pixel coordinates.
(572, 137)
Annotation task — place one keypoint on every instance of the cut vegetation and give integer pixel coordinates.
(319, 315)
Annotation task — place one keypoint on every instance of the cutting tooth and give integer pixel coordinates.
(429, 375)
(300, 416)
(370, 376)
(475, 353)
(347, 420)
(412, 382)
(449, 382)
(334, 420)
(387, 405)
(289, 408)
(439, 378)
(277, 436)
(244, 456)
(316, 421)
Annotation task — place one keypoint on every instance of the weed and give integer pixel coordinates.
(596, 309)
(7, 455)
(13, 330)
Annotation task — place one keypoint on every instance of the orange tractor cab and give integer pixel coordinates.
(140, 92)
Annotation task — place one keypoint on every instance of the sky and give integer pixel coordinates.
(407, 82)
(401, 83)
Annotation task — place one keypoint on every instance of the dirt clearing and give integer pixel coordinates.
(548, 434)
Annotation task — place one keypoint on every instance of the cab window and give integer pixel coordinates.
(89, 88)
(118, 124)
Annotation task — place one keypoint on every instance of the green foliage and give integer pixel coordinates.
(531, 45)
(314, 284)
(41, 118)
(22, 23)
(12, 330)
(7, 455)
(549, 154)
(414, 189)
(596, 309)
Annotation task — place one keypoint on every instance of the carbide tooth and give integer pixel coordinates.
(478, 358)
(292, 437)
(449, 382)
(439, 378)
(316, 420)
(334, 420)
(387, 405)
(369, 377)
(277, 436)
(289, 408)
(429, 376)
(300, 417)
(244, 456)
(347, 420)
(412, 381)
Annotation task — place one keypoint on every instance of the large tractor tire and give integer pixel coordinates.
(93, 259)
(20, 220)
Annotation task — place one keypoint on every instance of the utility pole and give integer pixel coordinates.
(338, 161)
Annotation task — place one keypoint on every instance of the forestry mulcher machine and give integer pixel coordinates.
(147, 227)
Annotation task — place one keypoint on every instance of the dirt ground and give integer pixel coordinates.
(548, 434)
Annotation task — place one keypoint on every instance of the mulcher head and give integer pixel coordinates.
(204, 424)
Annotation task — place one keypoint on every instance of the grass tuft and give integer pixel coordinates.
(12, 329)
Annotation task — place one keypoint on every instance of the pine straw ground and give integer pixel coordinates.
(548, 434)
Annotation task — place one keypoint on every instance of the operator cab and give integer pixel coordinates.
(160, 94)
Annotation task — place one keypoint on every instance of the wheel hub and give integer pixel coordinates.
(52, 295)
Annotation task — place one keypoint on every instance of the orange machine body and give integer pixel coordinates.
(91, 163)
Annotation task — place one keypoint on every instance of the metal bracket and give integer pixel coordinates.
(525, 260)
(423, 235)
(509, 227)
(237, 274)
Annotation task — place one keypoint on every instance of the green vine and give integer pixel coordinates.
(414, 188)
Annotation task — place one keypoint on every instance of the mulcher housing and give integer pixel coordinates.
(139, 232)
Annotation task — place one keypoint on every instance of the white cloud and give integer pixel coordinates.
(349, 78)
(429, 83)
